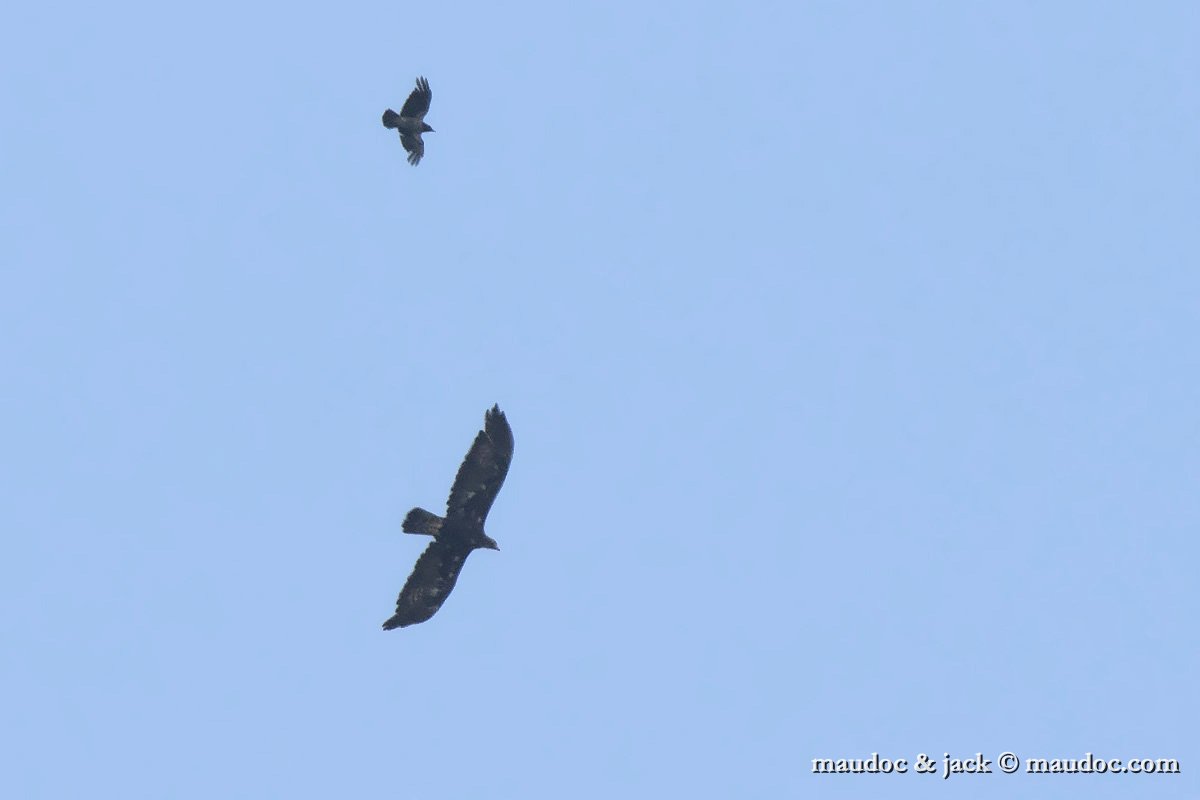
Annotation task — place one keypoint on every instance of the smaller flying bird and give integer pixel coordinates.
(410, 122)
(459, 532)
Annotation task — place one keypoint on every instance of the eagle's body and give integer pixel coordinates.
(410, 122)
(459, 532)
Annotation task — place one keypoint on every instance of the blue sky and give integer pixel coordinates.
(850, 349)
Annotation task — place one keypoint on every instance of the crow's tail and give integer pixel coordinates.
(391, 119)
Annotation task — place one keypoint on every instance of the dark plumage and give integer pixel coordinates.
(459, 532)
(410, 122)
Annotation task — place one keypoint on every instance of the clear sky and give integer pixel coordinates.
(851, 351)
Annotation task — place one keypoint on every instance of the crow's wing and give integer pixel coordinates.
(417, 104)
(414, 145)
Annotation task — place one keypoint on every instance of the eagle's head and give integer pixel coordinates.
(488, 543)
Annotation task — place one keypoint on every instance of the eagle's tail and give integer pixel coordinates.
(421, 521)
(391, 119)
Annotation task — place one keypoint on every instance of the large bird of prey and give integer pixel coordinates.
(410, 122)
(459, 532)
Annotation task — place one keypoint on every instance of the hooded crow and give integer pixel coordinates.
(410, 122)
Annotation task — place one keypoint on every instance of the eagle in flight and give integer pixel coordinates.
(459, 532)
(410, 122)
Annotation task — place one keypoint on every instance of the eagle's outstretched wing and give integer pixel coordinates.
(482, 472)
(430, 583)
(417, 104)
